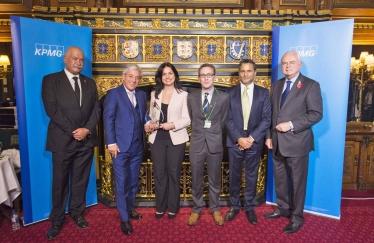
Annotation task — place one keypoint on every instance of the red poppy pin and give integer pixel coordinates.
(299, 85)
(85, 81)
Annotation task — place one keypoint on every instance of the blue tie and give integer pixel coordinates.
(206, 104)
(285, 93)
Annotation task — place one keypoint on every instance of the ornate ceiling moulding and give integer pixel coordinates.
(174, 19)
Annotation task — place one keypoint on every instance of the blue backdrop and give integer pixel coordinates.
(325, 50)
(38, 49)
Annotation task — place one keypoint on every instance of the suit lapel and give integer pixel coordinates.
(199, 101)
(237, 99)
(83, 88)
(123, 93)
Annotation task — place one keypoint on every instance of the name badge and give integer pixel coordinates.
(207, 124)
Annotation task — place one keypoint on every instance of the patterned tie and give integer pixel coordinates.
(285, 93)
(246, 107)
(131, 97)
(206, 104)
(77, 90)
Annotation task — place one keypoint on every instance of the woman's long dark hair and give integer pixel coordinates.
(158, 77)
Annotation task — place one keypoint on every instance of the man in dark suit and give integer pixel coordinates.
(247, 123)
(208, 109)
(71, 102)
(297, 105)
(124, 119)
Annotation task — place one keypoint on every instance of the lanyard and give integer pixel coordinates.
(211, 111)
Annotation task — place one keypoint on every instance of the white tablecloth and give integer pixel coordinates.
(9, 185)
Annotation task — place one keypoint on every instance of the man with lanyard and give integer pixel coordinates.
(208, 109)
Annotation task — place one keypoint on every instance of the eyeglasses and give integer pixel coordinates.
(209, 75)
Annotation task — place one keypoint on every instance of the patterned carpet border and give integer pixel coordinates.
(104, 226)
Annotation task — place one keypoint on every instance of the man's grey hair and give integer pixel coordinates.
(132, 67)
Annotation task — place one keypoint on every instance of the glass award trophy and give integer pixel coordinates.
(154, 114)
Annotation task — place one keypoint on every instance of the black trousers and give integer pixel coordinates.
(70, 167)
(167, 165)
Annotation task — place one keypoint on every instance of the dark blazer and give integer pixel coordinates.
(303, 107)
(213, 135)
(118, 120)
(259, 121)
(62, 107)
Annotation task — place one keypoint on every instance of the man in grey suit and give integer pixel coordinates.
(297, 106)
(208, 109)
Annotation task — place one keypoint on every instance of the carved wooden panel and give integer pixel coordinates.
(369, 168)
(185, 3)
(293, 2)
(350, 163)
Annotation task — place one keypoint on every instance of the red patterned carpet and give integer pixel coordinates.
(355, 225)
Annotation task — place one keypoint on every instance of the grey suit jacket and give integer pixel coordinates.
(303, 107)
(213, 135)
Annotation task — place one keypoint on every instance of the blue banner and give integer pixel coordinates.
(325, 51)
(38, 49)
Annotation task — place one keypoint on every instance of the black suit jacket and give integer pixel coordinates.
(62, 107)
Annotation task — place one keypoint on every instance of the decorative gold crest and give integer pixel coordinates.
(184, 49)
(130, 48)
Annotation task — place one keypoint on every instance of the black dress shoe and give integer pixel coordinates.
(80, 221)
(135, 215)
(251, 216)
(275, 214)
(292, 227)
(159, 215)
(172, 216)
(54, 231)
(230, 215)
(126, 228)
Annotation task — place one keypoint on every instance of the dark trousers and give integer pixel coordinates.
(251, 160)
(213, 162)
(167, 165)
(290, 177)
(76, 166)
(126, 174)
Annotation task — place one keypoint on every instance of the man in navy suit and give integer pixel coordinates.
(71, 102)
(247, 123)
(297, 105)
(124, 115)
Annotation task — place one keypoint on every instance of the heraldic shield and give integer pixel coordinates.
(130, 48)
(184, 49)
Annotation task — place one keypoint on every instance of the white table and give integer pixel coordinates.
(9, 185)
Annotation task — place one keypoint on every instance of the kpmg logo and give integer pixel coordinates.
(49, 50)
(305, 51)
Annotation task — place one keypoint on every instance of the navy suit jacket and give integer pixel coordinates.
(119, 117)
(259, 119)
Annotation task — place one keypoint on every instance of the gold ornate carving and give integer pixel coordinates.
(268, 24)
(184, 23)
(104, 48)
(99, 22)
(211, 49)
(261, 50)
(59, 20)
(240, 24)
(156, 23)
(105, 84)
(157, 49)
(212, 24)
(306, 22)
(127, 23)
